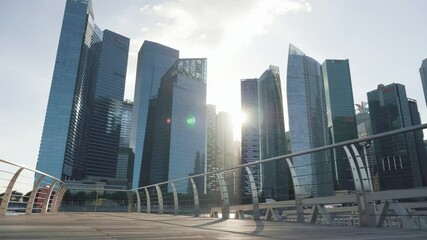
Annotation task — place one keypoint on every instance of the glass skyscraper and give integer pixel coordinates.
(153, 61)
(341, 117)
(106, 118)
(211, 180)
(307, 123)
(423, 74)
(89, 63)
(399, 159)
(275, 175)
(250, 133)
(179, 139)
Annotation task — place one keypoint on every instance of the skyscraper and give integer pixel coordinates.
(275, 175)
(341, 117)
(153, 61)
(83, 66)
(399, 163)
(307, 123)
(179, 140)
(211, 180)
(423, 74)
(124, 165)
(105, 122)
(224, 141)
(250, 133)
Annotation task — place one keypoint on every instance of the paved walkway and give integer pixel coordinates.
(152, 226)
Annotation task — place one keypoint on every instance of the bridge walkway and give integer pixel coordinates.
(152, 226)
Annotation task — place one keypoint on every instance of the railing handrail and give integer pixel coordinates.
(31, 169)
(313, 150)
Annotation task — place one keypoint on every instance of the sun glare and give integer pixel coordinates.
(239, 119)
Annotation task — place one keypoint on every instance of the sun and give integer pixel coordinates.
(239, 118)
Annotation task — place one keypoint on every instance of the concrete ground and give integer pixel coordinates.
(153, 226)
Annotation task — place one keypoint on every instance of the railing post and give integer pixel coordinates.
(7, 194)
(175, 200)
(298, 192)
(138, 202)
(33, 194)
(47, 197)
(147, 196)
(196, 198)
(56, 197)
(59, 200)
(224, 196)
(159, 199)
(255, 200)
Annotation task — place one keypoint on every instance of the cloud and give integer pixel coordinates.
(219, 22)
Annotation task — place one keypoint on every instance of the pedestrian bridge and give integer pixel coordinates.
(161, 211)
(154, 226)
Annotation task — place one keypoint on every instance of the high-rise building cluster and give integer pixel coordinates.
(169, 132)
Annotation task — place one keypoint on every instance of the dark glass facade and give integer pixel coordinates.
(153, 61)
(250, 133)
(106, 118)
(341, 116)
(179, 139)
(275, 175)
(398, 161)
(124, 165)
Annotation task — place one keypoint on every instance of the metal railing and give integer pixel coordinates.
(43, 194)
(366, 204)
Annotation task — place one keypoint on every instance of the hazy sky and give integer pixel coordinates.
(384, 40)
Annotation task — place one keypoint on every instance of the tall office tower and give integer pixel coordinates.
(153, 61)
(250, 133)
(419, 140)
(307, 123)
(398, 159)
(423, 73)
(224, 140)
(80, 58)
(341, 117)
(275, 175)
(225, 147)
(124, 165)
(179, 139)
(211, 180)
(105, 122)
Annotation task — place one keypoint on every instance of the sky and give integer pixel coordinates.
(384, 40)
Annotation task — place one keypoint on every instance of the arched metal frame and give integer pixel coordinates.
(175, 200)
(46, 200)
(365, 205)
(55, 202)
(33, 194)
(254, 191)
(224, 196)
(196, 198)
(299, 192)
(354, 171)
(138, 202)
(147, 196)
(159, 199)
(8, 192)
(362, 170)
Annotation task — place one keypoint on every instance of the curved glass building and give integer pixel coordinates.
(275, 175)
(307, 123)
